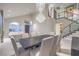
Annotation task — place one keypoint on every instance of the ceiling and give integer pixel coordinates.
(18, 9)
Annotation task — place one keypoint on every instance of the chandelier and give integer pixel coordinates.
(40, 16)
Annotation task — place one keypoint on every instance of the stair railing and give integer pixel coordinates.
(74, 26)
(68, 16)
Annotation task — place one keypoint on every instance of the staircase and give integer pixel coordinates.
(73, 26)
(69, 31)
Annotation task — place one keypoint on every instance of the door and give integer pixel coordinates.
(27, 28)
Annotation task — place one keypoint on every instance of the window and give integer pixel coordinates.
(14, 27)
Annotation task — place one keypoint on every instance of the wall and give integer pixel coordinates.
(43, 28)
(19, 19)
(49, 25)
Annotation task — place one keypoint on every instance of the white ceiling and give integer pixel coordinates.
(17, 9)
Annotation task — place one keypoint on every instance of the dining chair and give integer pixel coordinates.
(61, 47)
(19, 51)
(48, 47)
(17, 37)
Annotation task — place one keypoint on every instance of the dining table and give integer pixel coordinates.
(29, 42)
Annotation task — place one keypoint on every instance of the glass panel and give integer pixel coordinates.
(74, 17)
(61, 14)
(57, 16)
(74, 26)
(66, 31)
(70, 15)
(66, 14)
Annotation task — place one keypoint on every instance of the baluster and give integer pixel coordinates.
(70, 28)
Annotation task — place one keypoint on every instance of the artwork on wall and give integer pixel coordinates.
(51, 11)
(70, 8)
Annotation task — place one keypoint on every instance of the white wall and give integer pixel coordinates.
(15, 19)
(45, 27)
